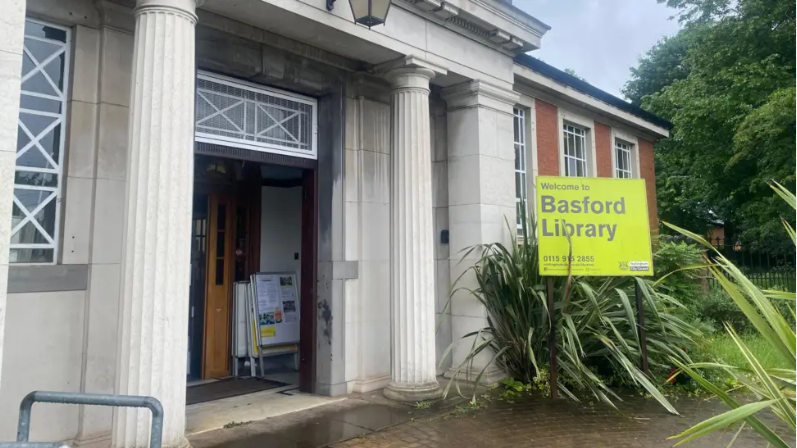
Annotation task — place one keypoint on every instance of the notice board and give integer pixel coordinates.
(276, 299)
(593, 226)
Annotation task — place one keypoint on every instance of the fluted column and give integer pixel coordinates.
(153, 317)
(412, 283)
(13, 26)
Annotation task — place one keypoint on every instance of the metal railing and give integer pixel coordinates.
(767, 267)
(125, 401)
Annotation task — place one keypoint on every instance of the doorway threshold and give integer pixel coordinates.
(211, 415)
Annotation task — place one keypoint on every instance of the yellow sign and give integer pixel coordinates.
(606, 219)
(268, 332)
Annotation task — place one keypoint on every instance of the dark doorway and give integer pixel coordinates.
(226, 247)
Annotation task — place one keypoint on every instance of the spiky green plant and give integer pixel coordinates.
(774, 388)
(594, 317)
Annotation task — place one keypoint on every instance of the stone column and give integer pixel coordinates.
(412, 282)
(153, 315)
(12, 33)
(481, 203)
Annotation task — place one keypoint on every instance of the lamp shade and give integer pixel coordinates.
(370, 12)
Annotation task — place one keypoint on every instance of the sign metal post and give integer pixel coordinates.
(643, 339)
(554, 381)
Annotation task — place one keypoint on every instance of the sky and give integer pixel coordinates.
(599, 39)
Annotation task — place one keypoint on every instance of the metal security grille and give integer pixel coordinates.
(243, 115)
(40, 144)
(622, 160)
(575, 140)
(520, 165)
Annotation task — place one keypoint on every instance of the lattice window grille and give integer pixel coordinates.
(622, 160)
(575, 143)
(243, 115)
(35, 215)
(521, 200)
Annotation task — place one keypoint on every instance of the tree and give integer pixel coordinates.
(660, 67)
(726, 82)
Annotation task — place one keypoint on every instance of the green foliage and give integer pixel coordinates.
(726, 82)
(717, 308)
(722, 348)
(672, 261)
(423, 404)
(660, 67)
(774, 387)
(595, 325)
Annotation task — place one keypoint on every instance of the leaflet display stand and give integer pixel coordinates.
(266, 317)
(244, 333)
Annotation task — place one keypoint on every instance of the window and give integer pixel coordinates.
(234, 113)
(40, 144)
(521, 200)
(623, 152)
(575, 148)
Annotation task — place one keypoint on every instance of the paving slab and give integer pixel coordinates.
(372, 422)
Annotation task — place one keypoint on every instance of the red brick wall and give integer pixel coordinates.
(547, 139)
(648, 172)
(603, 149)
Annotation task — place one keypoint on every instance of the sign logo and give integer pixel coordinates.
(593, 226)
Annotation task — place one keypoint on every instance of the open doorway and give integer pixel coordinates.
(249, 217)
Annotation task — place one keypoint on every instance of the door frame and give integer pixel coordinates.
(308, 302)
(308, 307)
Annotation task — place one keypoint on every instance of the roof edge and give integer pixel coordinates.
(584, 87)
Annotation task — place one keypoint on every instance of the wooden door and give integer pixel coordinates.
(218, 289)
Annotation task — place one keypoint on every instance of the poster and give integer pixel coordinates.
(288, 299)
(267, 288)
(593, 226)
(277, 299)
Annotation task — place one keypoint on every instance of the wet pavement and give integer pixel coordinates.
(532, 422)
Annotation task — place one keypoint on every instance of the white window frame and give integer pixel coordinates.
(520, 114)
(58, 171)
(528, 104)
(204, 137)
(629, 139)
(567, 118)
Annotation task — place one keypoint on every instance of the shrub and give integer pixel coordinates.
(674, 261)
(717, 308)
(595, 324)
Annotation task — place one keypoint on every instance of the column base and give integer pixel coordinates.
(182, 443)
(102, 440)
(413, 393)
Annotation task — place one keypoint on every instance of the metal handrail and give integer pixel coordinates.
(127, 401)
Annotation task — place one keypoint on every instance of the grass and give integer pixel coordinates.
(722, 348)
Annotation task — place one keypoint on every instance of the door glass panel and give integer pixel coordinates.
(219, 271)
(220, 249)
(221, 218)
(241, 243)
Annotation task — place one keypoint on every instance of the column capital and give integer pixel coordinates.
(185, 7)
(410, 72)
(477, 93)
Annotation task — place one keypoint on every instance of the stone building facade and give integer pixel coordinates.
(416, 135)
